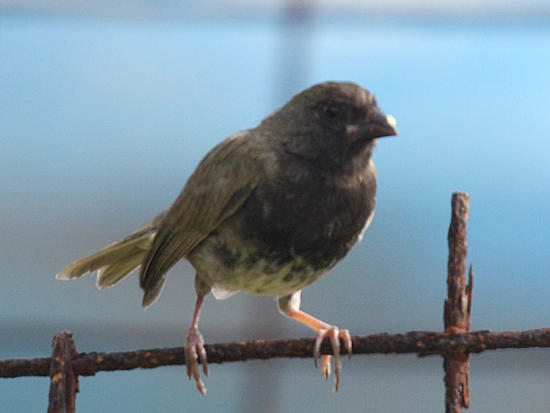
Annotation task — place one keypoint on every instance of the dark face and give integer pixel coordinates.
(336, 107)
(332, 123)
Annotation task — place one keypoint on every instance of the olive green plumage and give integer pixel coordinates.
(268, 210)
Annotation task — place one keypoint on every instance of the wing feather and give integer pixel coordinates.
(220, 185)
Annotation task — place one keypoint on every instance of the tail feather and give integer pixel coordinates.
(114, 262)
(113, 273)
(151, 294)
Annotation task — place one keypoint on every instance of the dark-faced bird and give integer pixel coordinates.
(267, 211)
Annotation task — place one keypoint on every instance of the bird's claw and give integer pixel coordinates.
(334, 334)
(195, 352)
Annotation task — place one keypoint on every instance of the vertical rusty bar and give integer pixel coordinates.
(63, 381)
(457, 306)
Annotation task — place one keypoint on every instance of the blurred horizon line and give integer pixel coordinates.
(483, 11)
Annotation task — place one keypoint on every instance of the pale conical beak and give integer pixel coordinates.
(378, 125)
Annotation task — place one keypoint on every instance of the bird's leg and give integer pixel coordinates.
(333, 333)
(194, 348)
(290, 305)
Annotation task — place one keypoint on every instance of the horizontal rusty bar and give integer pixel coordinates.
(421, 342)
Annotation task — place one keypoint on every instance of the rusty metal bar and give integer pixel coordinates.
(457, 307)
(424, 343)
(63, 380)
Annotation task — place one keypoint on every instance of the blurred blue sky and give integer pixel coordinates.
(103, 119)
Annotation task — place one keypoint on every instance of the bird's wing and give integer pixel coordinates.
(220, 185)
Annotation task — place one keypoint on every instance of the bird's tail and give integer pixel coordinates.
(117, 260)
(112, 263)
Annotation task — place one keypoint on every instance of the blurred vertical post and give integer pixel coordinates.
(291, 75)
(295, 48)
(457, 306)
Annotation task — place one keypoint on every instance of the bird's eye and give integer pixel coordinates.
(332, 110)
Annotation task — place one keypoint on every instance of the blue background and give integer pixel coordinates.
(104, 118)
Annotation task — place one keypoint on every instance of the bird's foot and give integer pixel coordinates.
(195, 352)
(334, 334)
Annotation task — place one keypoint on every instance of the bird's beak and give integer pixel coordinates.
(377, 125)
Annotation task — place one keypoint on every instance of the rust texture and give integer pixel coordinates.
(63, 380)
(457, 306)
(456, 311)
(424, 343)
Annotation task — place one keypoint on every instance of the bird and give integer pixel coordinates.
(267, 211)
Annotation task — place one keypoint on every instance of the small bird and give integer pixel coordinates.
(267, 211)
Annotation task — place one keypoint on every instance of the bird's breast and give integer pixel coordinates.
(317, 217)
(287, 234)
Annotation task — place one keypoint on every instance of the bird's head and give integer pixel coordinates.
(331, 123)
